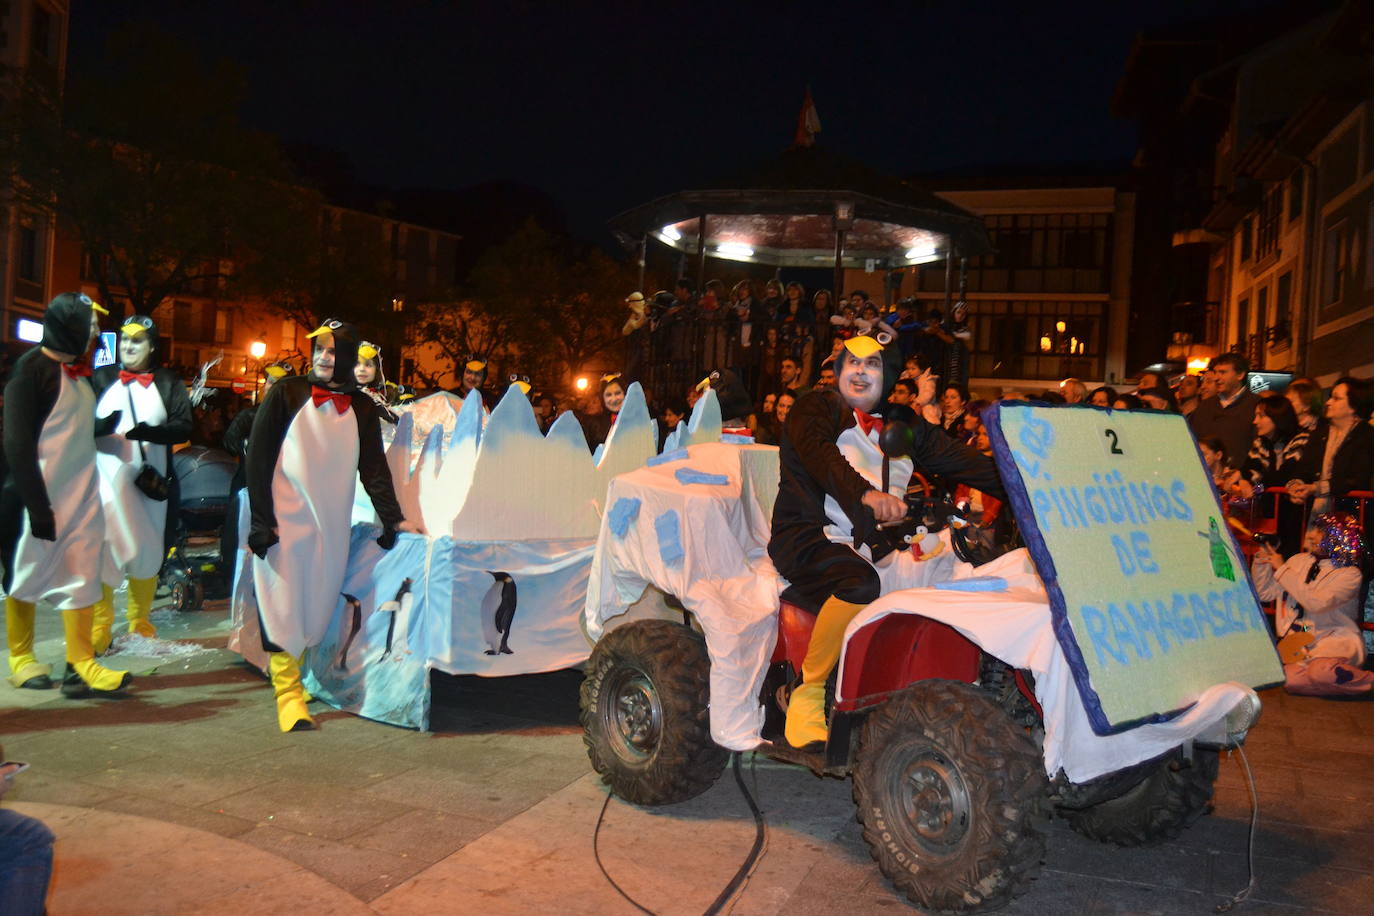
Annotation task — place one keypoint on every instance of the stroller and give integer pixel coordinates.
(195, 568)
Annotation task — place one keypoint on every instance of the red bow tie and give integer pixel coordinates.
(321, 395)
(76, 370)
(868, 423)
(143, 378)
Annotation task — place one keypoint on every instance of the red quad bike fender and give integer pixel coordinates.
(898, 650)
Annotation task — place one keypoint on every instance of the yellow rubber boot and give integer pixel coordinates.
(141, 592)
(81, 658)
(806, 707)
(102, 617)
(25, 668)
(292, 715)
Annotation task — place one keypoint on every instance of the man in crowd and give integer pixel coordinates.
(1074, 391)
(829, 499)
(827, 379)
(789, 377)
(1187, 394)
(1230, 414)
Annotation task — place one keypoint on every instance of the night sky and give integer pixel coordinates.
(606, 105)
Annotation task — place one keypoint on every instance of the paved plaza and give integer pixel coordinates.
(184, 798)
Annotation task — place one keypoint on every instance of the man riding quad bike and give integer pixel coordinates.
(941, 737)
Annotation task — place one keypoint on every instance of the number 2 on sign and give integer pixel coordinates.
(1115, 447)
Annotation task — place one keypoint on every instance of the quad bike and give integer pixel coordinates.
(941, 739)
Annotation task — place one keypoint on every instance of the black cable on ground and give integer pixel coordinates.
(741, 875)
(596, 851)
(751, 862)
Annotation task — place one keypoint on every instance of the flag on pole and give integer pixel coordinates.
(808, 122)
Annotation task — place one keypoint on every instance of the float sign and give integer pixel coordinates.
(1151, 598)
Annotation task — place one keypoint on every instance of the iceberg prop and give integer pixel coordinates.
(498, 585)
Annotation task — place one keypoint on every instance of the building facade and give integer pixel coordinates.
(33, 45)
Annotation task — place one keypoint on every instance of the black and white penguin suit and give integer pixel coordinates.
(154, 413)
(308, 446)
(52, 529)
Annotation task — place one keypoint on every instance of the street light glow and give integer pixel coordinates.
(257, 349)
(581, 383)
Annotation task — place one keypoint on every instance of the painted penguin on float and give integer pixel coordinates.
(498, 612)
(153, 414)
(313, 438)
(52, 529)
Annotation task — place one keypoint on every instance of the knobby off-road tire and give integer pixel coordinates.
(645, 713)
(951, 796)
(1158, 808)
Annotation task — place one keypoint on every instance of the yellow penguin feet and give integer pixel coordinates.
(102, 625)
(292, 716)
(141, 593)
(806, 715)
(86, 676)
(25, 669)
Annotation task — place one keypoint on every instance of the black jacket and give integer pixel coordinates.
(813, 466)
(1352, 467)
(1234, 424)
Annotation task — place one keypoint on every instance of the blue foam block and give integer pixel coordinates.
(622, 514)
(676, 454)
(736, 439)
(692, 475)
(669, 533)
(976, 584)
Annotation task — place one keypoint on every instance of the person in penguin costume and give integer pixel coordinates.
(371, 380)
(498, 612)
(313, 438)
(52, 529)
(236, 444)
(829, 499)
(154, 414)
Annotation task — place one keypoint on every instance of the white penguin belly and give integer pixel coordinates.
(134, 524)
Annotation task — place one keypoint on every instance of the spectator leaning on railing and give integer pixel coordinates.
(1340, 455)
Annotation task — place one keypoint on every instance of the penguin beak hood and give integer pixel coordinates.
(883, 343)
(67, 323)
(346, 341)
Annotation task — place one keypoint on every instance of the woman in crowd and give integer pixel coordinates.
(1160, 397)
(1102, 397)
(953, 400)
(1214, 457)
(773, 300)
(1340, 454)
(1127, 402)
(1274, 458)
(1308, 405)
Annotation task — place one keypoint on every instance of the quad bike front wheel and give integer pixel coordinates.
(1173, 794)
(951, 797)
(645, 713)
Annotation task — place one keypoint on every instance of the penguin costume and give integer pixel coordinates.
(153, 413)
(313, 437)
(372, 380)
(829, 500)
(52, 529)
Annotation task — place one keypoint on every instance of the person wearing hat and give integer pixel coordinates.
(520, 382)
(830, 499)
(154, 414)
(372, 380)
(313, 439)
(473, 377)
(52, 529)
(735, 404)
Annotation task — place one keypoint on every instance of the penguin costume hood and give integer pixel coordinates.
(67, 323)
(346, 342)
(885, 344)
(735, 403)
(142, 324)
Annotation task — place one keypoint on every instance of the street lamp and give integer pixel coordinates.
(257, 349)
